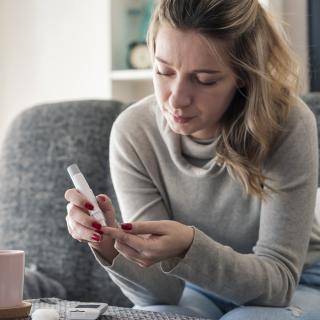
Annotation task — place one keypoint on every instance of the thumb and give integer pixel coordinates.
(145, 227)
(106, 206)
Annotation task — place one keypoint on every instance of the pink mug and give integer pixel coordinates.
(11, 278)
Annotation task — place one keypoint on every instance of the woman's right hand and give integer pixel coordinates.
(83, 227)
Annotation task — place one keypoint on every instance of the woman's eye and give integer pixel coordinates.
(207, 83)
(164, 73)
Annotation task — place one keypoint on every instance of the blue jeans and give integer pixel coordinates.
(196, 302)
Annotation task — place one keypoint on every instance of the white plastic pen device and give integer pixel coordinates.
(81, 185)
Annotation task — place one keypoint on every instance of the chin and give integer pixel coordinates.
(180, 130)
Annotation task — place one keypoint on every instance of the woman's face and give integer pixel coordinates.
(193, 85)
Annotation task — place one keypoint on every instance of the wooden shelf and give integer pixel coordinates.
(131, 75)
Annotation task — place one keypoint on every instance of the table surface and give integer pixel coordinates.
(112, 313)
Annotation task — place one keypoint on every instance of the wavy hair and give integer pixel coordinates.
(261, 57)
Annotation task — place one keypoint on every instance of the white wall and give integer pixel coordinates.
(51, 50)
(294, 20)
(295, 15)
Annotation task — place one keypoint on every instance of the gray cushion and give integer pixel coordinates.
(40, 144)
(37, 284)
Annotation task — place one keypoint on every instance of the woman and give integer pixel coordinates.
(216, 174)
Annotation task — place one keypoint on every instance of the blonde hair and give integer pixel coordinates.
(262, 59)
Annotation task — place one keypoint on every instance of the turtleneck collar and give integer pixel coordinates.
(198, 149)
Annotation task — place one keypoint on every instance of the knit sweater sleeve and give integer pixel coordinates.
(139, 199)
(269, 275)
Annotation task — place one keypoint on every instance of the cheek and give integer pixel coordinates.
(224, 96)
(159, 92)
(160, 88)
(227, 98)
(217, 102)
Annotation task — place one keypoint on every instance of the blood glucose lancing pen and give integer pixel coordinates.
(81, 185)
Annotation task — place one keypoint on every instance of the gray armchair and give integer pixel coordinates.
(40, 144)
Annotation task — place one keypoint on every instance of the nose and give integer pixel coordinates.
(180, 95)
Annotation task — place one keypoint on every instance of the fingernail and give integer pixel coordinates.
(102, 198)
(96, 225)
(89, 206)
(126, 226)
(96, 237)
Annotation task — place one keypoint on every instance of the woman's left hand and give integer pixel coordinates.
(148, 242)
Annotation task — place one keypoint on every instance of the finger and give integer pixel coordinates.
(147, 227)
(78, 215)
(81, 233)
(132, 255)
(69, 206)
(137, 243)
(75, 197)
(71, 231)
(105, 205)
(129, 252)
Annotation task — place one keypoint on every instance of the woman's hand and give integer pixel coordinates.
(83, 227)
(148, 242)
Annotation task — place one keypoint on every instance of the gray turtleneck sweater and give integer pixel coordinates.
(244, 250)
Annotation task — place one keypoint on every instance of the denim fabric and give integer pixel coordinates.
(195, 301)
(311, 276)
(192, 304)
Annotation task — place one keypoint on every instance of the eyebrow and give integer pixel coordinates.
(195, 71)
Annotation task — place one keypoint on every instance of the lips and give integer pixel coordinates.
(179, 118)
(182, 119)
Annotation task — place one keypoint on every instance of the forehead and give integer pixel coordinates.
(189, 48)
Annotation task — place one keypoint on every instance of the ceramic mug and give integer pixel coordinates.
(11, 278)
